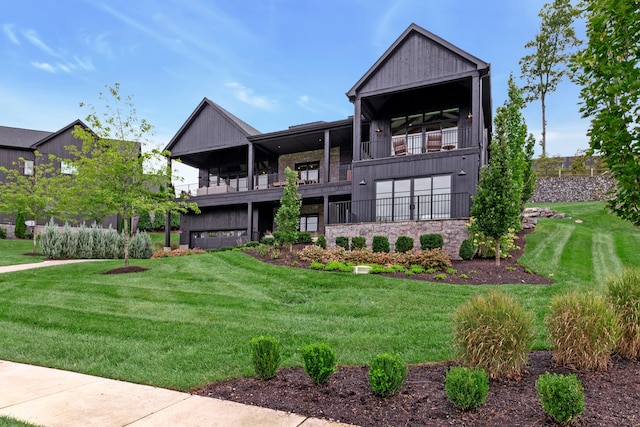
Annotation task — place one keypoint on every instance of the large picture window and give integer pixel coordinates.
(414, 198)
(309, 223)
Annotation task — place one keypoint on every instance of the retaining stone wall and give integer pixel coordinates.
(572, 189)
(453, 232)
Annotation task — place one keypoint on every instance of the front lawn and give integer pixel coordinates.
(187, 321)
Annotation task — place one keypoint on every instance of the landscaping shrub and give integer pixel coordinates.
(583, 329)
(304, 237)
(342, 242)
(316, 266)
(387, 374)
(50, 240)
(380, 244)
(140, 246)
(265, 351)
(321, 241)
(431, 241)
(319, 362)
(252, 244)
(466, 250)
(358, 242)
(268, 240)
(68, 242)
(561, 396)
(113, 244)
(21, 228)
(624, 294)
(485, 247)
(494, 333)
(3, 233)
(84, 246)
(404, 244)
(466, 388)
(99, 249)
(177, 252)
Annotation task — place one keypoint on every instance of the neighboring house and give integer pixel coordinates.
(406, 162)
(18, 143)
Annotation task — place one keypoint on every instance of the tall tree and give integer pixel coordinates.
(609, 73)
(496, 206)
(288, 215)
(551, 50)
(33, 189)
(116, 173)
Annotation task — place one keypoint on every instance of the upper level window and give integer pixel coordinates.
(308, 171)
(67, 168)
(28, 167)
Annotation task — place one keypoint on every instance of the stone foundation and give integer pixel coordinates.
(453, 232)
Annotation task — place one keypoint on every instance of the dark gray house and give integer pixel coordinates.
(406, 163)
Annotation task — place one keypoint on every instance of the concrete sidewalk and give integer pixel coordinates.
(47, 263)
(51, 397)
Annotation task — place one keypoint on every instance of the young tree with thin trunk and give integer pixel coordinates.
(288, 215)
(33, 191)
(115, 172)
(608, 69)
(551, 49)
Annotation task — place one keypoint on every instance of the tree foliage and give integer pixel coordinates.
(116, 173)
(550, 52)
(608, 69)
(288, 215)
(36, 195)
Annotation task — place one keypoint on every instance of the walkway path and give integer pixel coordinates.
(47, 263)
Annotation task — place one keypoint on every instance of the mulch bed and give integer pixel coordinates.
(611, 397)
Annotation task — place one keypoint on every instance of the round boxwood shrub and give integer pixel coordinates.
(466, 388)
(404, 244)
(265, 351)
(342, 242)
(319, 362)
(431, 241)
(358, 242)
(466, 250)
(380, 244)
(561, 396)
(321, 241)
(387, 374)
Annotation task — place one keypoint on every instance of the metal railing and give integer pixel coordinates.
(435, 206)
(430, 142)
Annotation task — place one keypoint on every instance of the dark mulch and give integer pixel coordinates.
(125, 270)
(33, 254)
(611, 397)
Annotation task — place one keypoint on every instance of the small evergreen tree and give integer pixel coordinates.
(21, 229)
(288, 215)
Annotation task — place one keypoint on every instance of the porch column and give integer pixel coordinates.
(250, 183)
(327, 159)
(167, 224)
(357, 137)
(476, 117)
(325, 213)
(250, 220)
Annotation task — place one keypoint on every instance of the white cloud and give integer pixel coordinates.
(11, 35)
(34, 39)
(44, 66)
(84, 63)
(304, 101)
(247, 96)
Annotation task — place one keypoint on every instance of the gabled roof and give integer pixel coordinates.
(53, 135)
(20, 138)
(409, 32)
(242, 126)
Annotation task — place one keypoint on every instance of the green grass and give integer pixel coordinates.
(12, 422)
(12, 252)
(159, 238)
(188, 321)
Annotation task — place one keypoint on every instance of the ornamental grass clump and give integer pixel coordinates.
(466, 388)
(624, 294)
(493, 332)
(265, 352)
(319, 362)
(561, 396)
(387, 374)
(583, 330)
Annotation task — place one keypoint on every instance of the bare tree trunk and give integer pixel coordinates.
(543, 143)
(126, 240)
(497, 251)
(35, 239)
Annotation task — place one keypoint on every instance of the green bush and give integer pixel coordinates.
(50, 240)
(321, 241)
(304, 237)
(265, 351)
(84, 247)
(99, 249)
(404, 244)
(140, 246)
(113, 244)
(252, 244)
(319, 362)
(68, 242)
(583, 330)
(380, 244)
(358, 242)
(561, 396)
(3, 233)
(387, 374)
(494, 333)
(466, 388)
(21, 228)
(342, 242)
(466, 250)
(268, 240)
(624, 294)
(431, 241)
(315, 265)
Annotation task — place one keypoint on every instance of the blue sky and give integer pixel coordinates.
(272, 63)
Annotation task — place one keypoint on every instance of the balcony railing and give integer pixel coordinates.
(435, 206)
(267, 180)
(430, 142)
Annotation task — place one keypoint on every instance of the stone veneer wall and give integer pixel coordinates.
(572, 189)
(453, 232)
